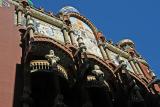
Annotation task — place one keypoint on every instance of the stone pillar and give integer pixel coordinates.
(19, 14)
(65, 33)
(102, 50)
(107, 52)
(131, 61)
(71, 34)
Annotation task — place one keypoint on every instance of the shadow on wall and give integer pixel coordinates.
(18, 89)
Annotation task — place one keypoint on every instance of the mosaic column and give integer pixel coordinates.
(65, 33)
(71, 34)
(107, 52)
(19, 12)
(30, 27)
(28, 16)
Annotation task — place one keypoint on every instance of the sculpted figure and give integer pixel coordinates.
(52, 58)
(97, 72)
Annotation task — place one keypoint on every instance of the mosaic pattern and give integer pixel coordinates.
(83, 30)
(68, 9)
(115, 59)
(4, 3)
(48, 30)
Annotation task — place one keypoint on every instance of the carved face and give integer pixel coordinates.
(51, 52)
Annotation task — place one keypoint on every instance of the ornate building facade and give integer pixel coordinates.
(63, 60)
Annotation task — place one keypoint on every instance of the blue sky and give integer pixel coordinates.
(138, 20)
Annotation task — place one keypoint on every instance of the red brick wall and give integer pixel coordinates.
(10, 54)
(157, 87)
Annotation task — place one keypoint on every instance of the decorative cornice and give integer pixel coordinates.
(41, 15)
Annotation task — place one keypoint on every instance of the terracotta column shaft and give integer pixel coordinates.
(133, 66)
(138, 68)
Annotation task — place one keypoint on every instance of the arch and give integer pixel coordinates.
(140, 81)
(54, 42)
(85, 20)
(100, 62)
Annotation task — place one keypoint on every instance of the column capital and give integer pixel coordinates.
(104, 45)
(30, 25)
(130, 59)
(134, 60)
(30, 22)
(28, 12)
(19, 8)
(65, 27)
(70, 31)
(100, 43)
(123, 64)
